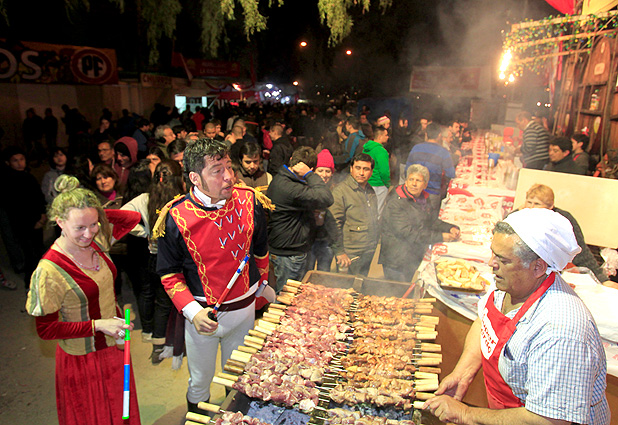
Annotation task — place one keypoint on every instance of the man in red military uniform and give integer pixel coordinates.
(208, 232)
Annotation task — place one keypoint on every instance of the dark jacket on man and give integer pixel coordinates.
(292, 225)
(407, 228)
(356, 212)
(279, 154)
(565, 165)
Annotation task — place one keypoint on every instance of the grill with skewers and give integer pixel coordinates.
(330, 353)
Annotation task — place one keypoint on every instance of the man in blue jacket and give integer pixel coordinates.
(437, 160)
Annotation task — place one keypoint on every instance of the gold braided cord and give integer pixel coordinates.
(158, 230)
(259, 195)
(178, 287)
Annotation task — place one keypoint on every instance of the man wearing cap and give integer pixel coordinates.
(539, 347)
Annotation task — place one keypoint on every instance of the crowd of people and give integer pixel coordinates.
(287, 188)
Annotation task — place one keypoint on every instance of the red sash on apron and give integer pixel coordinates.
(496, 330)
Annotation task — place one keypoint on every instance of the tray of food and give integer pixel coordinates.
(459, 275)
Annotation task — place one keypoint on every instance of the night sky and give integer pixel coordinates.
(385, 47)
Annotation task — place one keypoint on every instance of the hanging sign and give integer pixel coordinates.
(32, 62)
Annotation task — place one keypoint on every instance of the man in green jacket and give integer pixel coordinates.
(356, 213)
(381, 177)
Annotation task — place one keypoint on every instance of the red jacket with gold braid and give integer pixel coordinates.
(203, 247)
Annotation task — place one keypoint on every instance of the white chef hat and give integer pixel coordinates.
(547, 233)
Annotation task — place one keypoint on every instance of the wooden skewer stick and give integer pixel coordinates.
(257, 334)
(276, 312)
(264, 331)
(430, 369)
(209, 407)
(248, 350)
(224, 382)
(293, 282)
(423, 396)
(432, 355)
(423, 329)
(418, 405)
(425, 385)
(234, 369)
(284, 300)
(427, 300)
(278, 306)
(429, 319)
(194, 423)
(425, 375)
(271, 318)
(291, 289)
(235, 363)
(266, 325)
(430, 347)
(197, 418)
(254, 339)
(428, 361)
(227, 376)
(240, 356)
(250, 344)
(427, 335)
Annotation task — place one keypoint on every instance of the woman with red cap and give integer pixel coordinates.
(321, 251)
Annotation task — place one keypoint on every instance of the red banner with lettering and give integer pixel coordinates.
(206, 68)
(33, 62)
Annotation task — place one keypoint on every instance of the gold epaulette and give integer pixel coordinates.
(158, 230)
(263, 199)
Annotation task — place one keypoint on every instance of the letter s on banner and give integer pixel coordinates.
(12, 64)
(25, 58)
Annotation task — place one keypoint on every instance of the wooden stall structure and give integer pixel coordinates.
(578, 56)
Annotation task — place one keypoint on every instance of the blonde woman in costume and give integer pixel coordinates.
(72, 297)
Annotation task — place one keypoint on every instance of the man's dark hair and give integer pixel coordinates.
(177, 129)
(196, 152)
(364, 158)
(581, 138)
(142, 122)
(520, 249)
(353, 121)
(107, 141)
(433, 131)
(562, 142)
(12, 151)
(176, 146)
(304, 154)
(250, 149)
(155, 150)
(427, 115)
(379, 129)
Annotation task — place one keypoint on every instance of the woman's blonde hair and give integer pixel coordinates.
(544, 193)
(72, 196)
